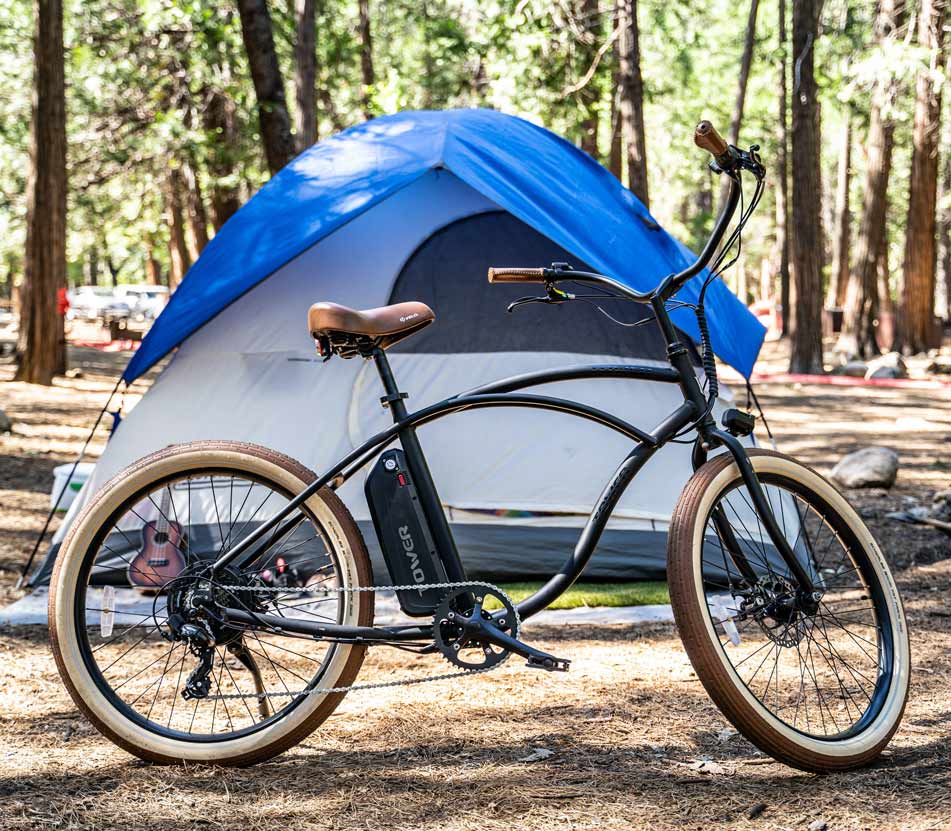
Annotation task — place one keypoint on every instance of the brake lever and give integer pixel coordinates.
(553, 295)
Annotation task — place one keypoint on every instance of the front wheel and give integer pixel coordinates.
(819, 683)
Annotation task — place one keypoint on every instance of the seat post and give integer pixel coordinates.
(419, 471)
(393, 398)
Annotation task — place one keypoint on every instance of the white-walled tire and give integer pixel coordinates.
(712, 606)
(85, 679)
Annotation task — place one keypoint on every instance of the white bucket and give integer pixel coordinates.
(76, 481)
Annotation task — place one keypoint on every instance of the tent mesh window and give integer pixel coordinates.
(449, 273)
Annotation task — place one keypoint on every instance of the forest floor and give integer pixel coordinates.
(629, 733)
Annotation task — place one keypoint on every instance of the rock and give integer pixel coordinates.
(818, 825)
(854, 369)
(940, 366)
(870, 467)
(537, 755)
(915, 514)
(891, 365)
(941, 506)
(5, 424)
(755, 810)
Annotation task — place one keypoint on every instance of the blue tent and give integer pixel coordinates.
(538, 177)
(416, 207)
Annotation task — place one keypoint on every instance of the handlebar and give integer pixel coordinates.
(707, 138)
(518, 275)
(726, 159)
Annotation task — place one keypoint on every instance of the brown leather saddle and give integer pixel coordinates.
(348, 332)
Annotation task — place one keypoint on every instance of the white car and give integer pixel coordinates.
(145, 302)
(96, 303)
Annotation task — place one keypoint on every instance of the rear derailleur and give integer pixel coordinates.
(469, 636)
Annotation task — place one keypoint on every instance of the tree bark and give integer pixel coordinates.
(589, 94)
(153, 271)
(944, 236)
(860, 308)
(42, 346)
(918, 287)
(179, 258)
(782, 176)
(615, 160)
(219, 120)
(366, 58)
(745, 63)
(882, 299)
(857, 338)
(806, 336)
(632, 100)
(91, 269)
(842, 220)
(305, 79)
(196, 212)
(273, 118)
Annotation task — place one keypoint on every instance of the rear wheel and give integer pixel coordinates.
(817, 683)
(158, 525)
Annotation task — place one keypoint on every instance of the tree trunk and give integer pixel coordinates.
(366, 58)
(589, 94)
(195, 209)
(806, 346)
(745, 63)
(842, 221)
(857, 338)
(860, 308)
(615, 160)
(782, 176)
(179, 259)
(274, 121)
(91, 269)
(219, 120)
(944, 235)
(305, 79)
(882, 299)
(918, 287)
(153, 271)
(632, 100)
(42, 344)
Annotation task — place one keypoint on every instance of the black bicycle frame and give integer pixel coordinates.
(693, 412)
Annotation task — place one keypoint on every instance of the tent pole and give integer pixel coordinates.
(59, 498)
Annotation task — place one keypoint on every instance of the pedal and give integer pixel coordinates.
(549, 663)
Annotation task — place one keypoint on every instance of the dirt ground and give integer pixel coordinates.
(634, 742)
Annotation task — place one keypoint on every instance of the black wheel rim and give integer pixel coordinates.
(825, 674)
(149, 692)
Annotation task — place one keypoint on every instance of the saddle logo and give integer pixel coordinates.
(404, 318)
(409, 548)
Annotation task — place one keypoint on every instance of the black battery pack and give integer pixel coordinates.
(403, 532)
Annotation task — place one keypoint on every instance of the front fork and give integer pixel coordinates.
(710, 437)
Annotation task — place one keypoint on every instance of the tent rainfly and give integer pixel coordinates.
(417, 206)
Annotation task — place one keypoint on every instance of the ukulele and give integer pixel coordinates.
(160, 558)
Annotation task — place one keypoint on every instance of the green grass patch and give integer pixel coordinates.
(646, 593)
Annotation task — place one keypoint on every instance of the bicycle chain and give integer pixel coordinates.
(380, 684)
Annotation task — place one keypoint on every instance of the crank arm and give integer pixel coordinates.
(536, 659)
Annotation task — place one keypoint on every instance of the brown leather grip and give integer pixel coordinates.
(516, 275)
(707, 138)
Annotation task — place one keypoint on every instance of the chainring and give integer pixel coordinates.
(461, 648)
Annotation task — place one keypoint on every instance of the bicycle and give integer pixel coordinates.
(783, 599)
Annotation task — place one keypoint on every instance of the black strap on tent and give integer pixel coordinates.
(59, 498)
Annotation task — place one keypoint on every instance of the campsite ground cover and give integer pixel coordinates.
(627, 739)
